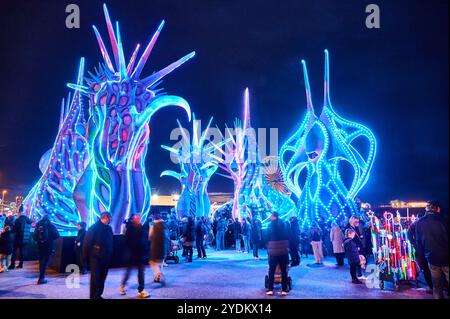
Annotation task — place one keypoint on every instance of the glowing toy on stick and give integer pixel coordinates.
(313, 160)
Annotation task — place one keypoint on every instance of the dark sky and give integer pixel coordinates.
(394, 79)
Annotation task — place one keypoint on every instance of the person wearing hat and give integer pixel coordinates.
(278, 252)
(432, 242)
(98, 250)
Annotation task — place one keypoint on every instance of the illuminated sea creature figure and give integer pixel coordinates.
(62, 167)
(324, 163)
(253, 193)
(121, 106)
(197, 164)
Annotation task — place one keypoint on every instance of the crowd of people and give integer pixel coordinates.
(151, 242)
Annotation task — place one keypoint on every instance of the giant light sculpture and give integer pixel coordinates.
(62, 167)
(253, 193)
(312, 160)
(107, 168)
(197, 164)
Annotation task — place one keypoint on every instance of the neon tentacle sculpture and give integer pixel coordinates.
(197, 164)
(312, 160)
(62, 167)
(252, 193)
(121, 106)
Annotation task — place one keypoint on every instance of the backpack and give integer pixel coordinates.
(42, 235)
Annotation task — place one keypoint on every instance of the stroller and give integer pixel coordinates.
(278, 278)
(173, 251)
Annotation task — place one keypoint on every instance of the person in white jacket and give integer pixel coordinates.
(337, 239)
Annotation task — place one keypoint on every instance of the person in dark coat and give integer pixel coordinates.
(221, 228)
(294, 241)
(237, 233)
(256, 236)
(44, 235)
(420, 257)
(432, 242)
(98, 250)
(81, 226)
(278, 252)
(246, 233)
(158, 250)
(22, 236)
(353, 224)
(135, 241)
(6, 248)
(200, 233)
(352, 250)
(188, 237)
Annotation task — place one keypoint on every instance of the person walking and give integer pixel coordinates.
(200, 233)
(189, 238)
(256, 236)
(315, 236)
(44, 235)
(158, 248)
(337, 240)
(246, 233)
(221, 228)
(294, 241)
(353, 223)
(135, 241)
(278, 252)
(81, 226)
(432, 242)
(22, 236)
(98, 250)
(237, 232)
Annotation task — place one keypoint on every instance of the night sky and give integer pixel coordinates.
(393, 80)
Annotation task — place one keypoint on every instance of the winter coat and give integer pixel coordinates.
(189, 234)
(200, 230)
(256, 233)
(237, 230)
(358, 239)
(337, 239)
(294, 233)
(246, 229)
(98, 242)
(432, 239)
(315, 234)
(6, 243)
(351, 250)
(44, 235)
(278, 238)
(136, 241)
(80, 239)
(222, 225)
(158, 239)
(22, 230)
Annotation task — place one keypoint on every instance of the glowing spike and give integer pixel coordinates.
(326, 84)
(103, 49)
(69, 98)
(80, 72)
(155, 77)
(146, 53)
(122, 66)
(62, 114)
(309, 103)
(114, 43)
(246, 110)
(81, 88)
(133, 59)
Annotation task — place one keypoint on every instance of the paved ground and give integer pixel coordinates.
(223, 275)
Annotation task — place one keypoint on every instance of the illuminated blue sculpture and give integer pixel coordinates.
(62, 167)
(197, 164)
(121, 106)
(315, 160)
(254, 193)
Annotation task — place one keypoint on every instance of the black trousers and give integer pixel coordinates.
(295, 257)
(141, 275)
(282, 261)
(14, 254)
(354, 270)
(255, 249)
(189, 252)
(79, 260)
(99, 271)
(200, 248)
(340, 258)
(423, 264)
(44, 259)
